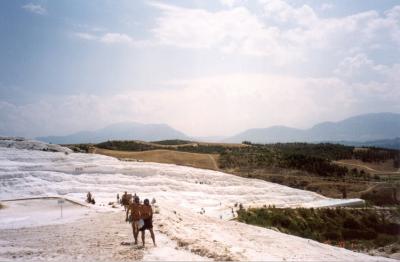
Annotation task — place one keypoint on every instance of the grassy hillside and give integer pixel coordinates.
(332, 170)
(172, 142)
(181, 145)
(356, 229)
(321, 168)
(384, 167)
(206, 161)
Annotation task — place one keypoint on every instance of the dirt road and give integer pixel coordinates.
(367, 168)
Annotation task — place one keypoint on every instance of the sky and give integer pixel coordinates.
(204, 67)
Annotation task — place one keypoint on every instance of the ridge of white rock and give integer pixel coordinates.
(29, 144)
(182, 194)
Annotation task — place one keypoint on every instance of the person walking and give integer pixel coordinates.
(147, 216)
(134, 217)
(125, 200)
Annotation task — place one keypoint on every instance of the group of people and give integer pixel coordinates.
(139, 215)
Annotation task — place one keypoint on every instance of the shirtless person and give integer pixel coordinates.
(147, 216)
(134, 217)
(125, 200)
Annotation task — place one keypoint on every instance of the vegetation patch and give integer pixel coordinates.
(177, 145)
(80, 148)
(172, 142)
(313, 158)
(356, 229)
(383, 194)
(127, 146)
(313, 167)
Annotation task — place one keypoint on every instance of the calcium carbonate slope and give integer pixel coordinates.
(182, 193)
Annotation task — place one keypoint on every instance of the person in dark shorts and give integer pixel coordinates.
(147, 216)
(126, 200)
(134, 217)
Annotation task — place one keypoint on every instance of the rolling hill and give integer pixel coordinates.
(361, 128)
(119, 131)
(383, 143)
(367, 127)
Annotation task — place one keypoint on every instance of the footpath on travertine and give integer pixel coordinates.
(103, 236)
(96, 237)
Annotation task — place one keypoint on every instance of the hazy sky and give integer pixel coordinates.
(203, 67)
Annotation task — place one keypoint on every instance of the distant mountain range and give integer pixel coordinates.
(119, 131)
(379, 128)
(360, 128)
(384, 143)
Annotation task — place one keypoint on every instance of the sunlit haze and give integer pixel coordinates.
(206, 68)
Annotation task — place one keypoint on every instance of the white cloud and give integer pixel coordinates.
(284, 34)
(326, 6)
(358, 65)
(371, 80)
(85, 36)
(363, 31)
(231, 31)
(208, 106)
(86, 27)
(37, 9)
(230, 3)
(115, 38)
(281, 11)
